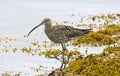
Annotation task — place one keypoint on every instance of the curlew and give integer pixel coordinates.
(60, 34)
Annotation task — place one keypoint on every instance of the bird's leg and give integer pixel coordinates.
(64, 48)
(57, 56)
(63, 62)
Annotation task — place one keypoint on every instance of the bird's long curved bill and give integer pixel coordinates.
(33, 29)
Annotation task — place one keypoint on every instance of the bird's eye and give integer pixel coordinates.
(46, 20)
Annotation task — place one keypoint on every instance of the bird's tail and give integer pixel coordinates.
(83, 32)
(86, 31)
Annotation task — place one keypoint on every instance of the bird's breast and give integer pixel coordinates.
(51, 36)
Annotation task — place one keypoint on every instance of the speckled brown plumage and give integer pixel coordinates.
(61, 34)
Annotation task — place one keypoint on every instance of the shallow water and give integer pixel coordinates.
(18, 17)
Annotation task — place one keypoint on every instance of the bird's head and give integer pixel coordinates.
(46, 21)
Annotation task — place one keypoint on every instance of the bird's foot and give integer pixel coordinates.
(55, 57)
(63, 65)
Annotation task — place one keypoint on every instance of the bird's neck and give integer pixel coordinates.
(48, 27)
